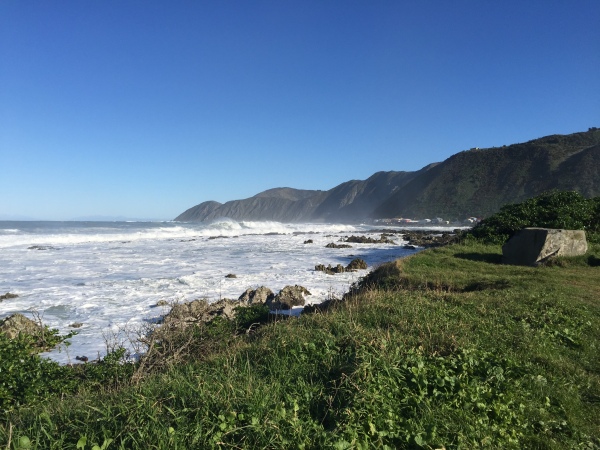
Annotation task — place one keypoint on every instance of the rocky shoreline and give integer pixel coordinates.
(291, 296)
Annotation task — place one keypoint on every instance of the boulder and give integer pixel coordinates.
(256, 296)
(356, 264)
(7, 296)
(17, 323)
(201, 311)
(530, 246)
(334, 245)
(329, 270)
(288, 297)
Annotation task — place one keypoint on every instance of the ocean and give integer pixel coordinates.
(109, 276)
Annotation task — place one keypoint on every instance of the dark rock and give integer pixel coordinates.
(356, 264)
(82, 358)
(423, 238)
(333, 245)
(288, 297)
(383, 239)
(161, 303)
(7, 296)
(231, 275)
(531, 246)
(41, 247)
(309, 241)
(329, 269)
(256, 296)
(76, 325)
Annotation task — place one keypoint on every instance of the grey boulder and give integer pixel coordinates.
(531, 246)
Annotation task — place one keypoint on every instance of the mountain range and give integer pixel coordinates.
(475, 182)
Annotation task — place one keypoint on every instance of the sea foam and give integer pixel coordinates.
(110, 275)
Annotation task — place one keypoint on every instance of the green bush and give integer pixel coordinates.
(25, 377)
(557, 209)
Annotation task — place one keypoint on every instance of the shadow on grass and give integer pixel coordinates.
(593, 261)
(487, 285)
(492, 258)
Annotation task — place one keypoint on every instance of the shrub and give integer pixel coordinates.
(557, 209)
(25, 377)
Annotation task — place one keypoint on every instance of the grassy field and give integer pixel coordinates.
(445, 349)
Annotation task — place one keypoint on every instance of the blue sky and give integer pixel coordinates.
(143, 109)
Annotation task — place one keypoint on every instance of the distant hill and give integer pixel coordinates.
(475, 182)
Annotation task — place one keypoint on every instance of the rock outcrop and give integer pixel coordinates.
(201, 311)
(7, 296)
(17, 323)
(384, 239)
(334, 245)
(288, 297)
(531, 246)
(355, 264)
(256, 296)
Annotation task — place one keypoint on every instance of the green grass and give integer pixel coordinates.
(445, 349)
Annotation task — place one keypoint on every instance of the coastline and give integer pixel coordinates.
(108, 281)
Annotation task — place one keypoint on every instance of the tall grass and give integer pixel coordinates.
(446, 349)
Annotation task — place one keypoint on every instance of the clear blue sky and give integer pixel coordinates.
(145, 108)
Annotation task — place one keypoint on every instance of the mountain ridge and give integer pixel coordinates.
(475, 182)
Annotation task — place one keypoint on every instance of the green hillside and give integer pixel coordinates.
(478, 182)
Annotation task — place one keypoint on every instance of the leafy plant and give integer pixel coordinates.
(557, 209)
(25, 377)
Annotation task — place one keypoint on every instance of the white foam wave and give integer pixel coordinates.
(110, 276)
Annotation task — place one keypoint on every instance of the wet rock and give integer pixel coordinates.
(161, 303)
(424, 238)
(41, 247)
(356, 264)
(334, 245)
(231, 275)
(329, 269)
(76, 325)
(288, 297)
(7, 296)
(82, 358)
(309, 241)
(258, 296)
(383, 239)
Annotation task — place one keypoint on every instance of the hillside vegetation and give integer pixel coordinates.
(558, 209)
(476, 182)
(444, 349)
